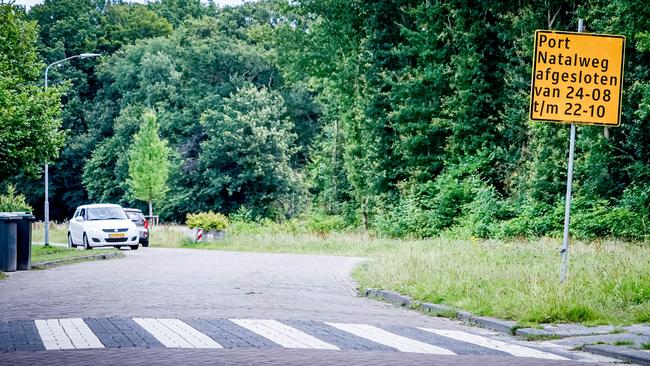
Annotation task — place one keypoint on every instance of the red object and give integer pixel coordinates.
(146, 224)
(199, 234)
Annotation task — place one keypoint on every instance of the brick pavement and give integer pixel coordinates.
(204, 284)
(279, 357)
(205, 288)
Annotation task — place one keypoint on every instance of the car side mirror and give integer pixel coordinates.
(79, 218)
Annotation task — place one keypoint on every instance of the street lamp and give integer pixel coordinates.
(47, 198)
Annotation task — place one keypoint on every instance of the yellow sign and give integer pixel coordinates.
(577, 78)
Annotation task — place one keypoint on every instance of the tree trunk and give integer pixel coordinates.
(364, 213)
(333, 196)
(150, 211)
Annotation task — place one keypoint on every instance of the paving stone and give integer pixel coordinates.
(458, 347)
(639, 329)
(334, 336)
(229, 334)
(576, 330)
(602, 338)
(19, 335)
(121, 332)
(533, 332)
(621, 353)
(257, 357)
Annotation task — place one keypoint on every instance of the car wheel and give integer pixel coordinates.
(70, 243)
(86, 244)
(134, 247)
(145, 243)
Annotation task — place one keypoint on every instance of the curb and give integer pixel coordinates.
(506, 326)
(93, 257)
(390, 296)
(510, 327)
(621, 353)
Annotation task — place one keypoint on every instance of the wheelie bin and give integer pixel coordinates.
(24, 241)
(8, 236)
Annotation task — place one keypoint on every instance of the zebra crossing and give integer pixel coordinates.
(96, 333)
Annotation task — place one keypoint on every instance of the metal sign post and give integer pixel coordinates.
(564, 252)
(577, 79)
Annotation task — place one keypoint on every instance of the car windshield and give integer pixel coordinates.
(135, 215)
(106, 213)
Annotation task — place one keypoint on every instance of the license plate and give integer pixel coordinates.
(116, 235)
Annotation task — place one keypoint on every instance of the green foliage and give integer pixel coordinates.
(406, 118)
(148, 162)
(12, 202)
(29, 114)
(109, 162)
(208, 221)
(323, 225)
(598, 219)
(123, 24)
(246, 159)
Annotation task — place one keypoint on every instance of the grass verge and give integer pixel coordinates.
(46, 254)
(352, 244)
(2, 276)
(58, 232)
(608, 283)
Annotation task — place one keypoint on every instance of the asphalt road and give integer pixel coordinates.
(252, 308)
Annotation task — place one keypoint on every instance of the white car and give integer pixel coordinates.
(102, 225)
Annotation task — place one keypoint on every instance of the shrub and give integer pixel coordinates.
(322, 225)
(208, 221)
(482, 215)
(593, 219)
(533, 219)
(11, 202)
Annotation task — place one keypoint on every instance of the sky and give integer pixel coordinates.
(30, 3)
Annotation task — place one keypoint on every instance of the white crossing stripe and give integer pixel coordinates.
(175, 333)
(66, 334)
(513, 349)
(283, 334)
(389, 339)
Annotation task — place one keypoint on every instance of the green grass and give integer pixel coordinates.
(623, 342)
(45, 254)
(2, 276)
(608, 283)
(58, 232)
(352, 244)
(646, 346)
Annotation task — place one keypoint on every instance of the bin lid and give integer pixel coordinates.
(24, 215)
(9, 216)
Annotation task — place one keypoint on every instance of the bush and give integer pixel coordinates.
(208, 221)
(322, 225)
(11, 202)
(600, 219)
(481, 216)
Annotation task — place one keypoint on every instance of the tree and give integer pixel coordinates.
(247, 157)
(29, 115)
(148, 163)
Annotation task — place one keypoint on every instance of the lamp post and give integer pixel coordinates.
(47, 198)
